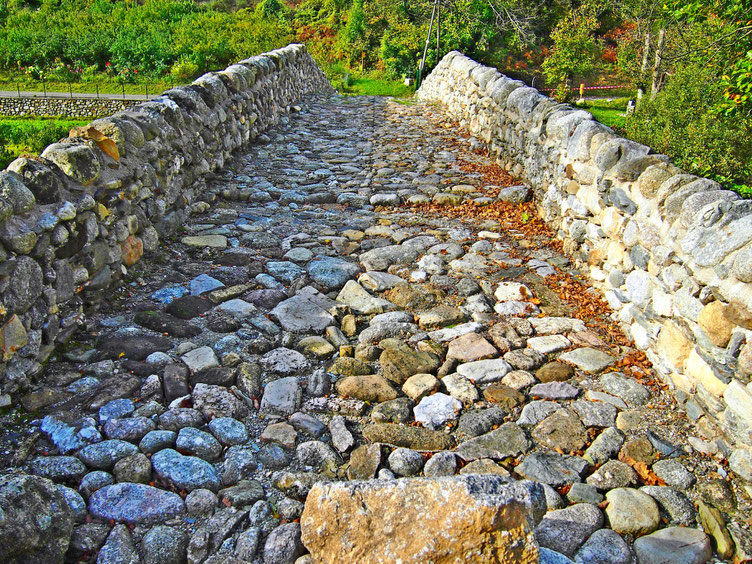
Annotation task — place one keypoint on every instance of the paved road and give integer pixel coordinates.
(76, 95)
(466, 340)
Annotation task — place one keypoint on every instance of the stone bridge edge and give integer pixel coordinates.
(671, 252)
(75, 219)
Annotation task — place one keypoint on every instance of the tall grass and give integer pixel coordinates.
(31, 135)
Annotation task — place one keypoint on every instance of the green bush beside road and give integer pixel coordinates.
(31, 135)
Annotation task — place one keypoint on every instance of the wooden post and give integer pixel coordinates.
(97, 87)
(123, 85)
(44, 87)
(362, 61)
(70, 90)
(18, 89)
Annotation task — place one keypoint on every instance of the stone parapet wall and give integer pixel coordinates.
(63, 107)
(672, 252)
(73, 221)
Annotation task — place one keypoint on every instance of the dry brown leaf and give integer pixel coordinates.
(649, 477)
(105, 144)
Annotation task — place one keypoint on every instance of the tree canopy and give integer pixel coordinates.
(678, 58)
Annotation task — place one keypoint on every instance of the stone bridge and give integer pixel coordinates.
(227, 310)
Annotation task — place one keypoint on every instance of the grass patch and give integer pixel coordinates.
(372, 86)
(609, 104)
(612, 113)
(373, 83)
(616, 119)
(31, 135)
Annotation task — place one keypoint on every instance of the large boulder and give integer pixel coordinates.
(473, 518)
(35, 520)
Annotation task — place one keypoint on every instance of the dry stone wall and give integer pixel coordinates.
(671, 251)
(73, 221)
(63, 107)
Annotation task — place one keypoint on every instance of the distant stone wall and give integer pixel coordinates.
(671, 251)
(73, 221)
(65, 107)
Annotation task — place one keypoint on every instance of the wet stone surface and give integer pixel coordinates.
(352, 299)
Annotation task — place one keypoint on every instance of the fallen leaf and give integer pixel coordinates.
(105, 144)
(649, 477)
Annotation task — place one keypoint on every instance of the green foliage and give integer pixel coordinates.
(738, 88)
(270, 9)
(20, 135)
(680, 123)
(370, 83)
(727, 24)
(7, 156)
(612, 117)
(400, 50)
(355, 28)
(149, 37)
(619, 104)
(184, 70)
(574, 50)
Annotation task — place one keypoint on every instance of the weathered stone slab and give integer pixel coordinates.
(307, 311)
(375, 521)
(135, 503)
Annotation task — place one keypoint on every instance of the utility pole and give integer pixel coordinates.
(428, 41)
(438, 31)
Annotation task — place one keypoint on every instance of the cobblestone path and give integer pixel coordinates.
(362, 294)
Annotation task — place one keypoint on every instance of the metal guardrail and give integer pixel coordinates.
(44, 93)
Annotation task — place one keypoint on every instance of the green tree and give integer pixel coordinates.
(355, 28)
(574, 50)
(730, 48)
(680, 122)
(270, 9)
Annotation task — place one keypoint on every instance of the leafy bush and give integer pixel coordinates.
(184, 70)
(683, 122)
(30, 135)
(574, 50)
(6, 157)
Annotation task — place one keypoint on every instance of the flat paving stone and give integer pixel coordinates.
(633, 393)
(565, 530)
(306, 311)
(536, 411)
(588, 359)
(244, 393)
(484, 371)
(549, 344)
(552, 469)
(554, 391)
(507, 440)
(674, 545)
(135, 504)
